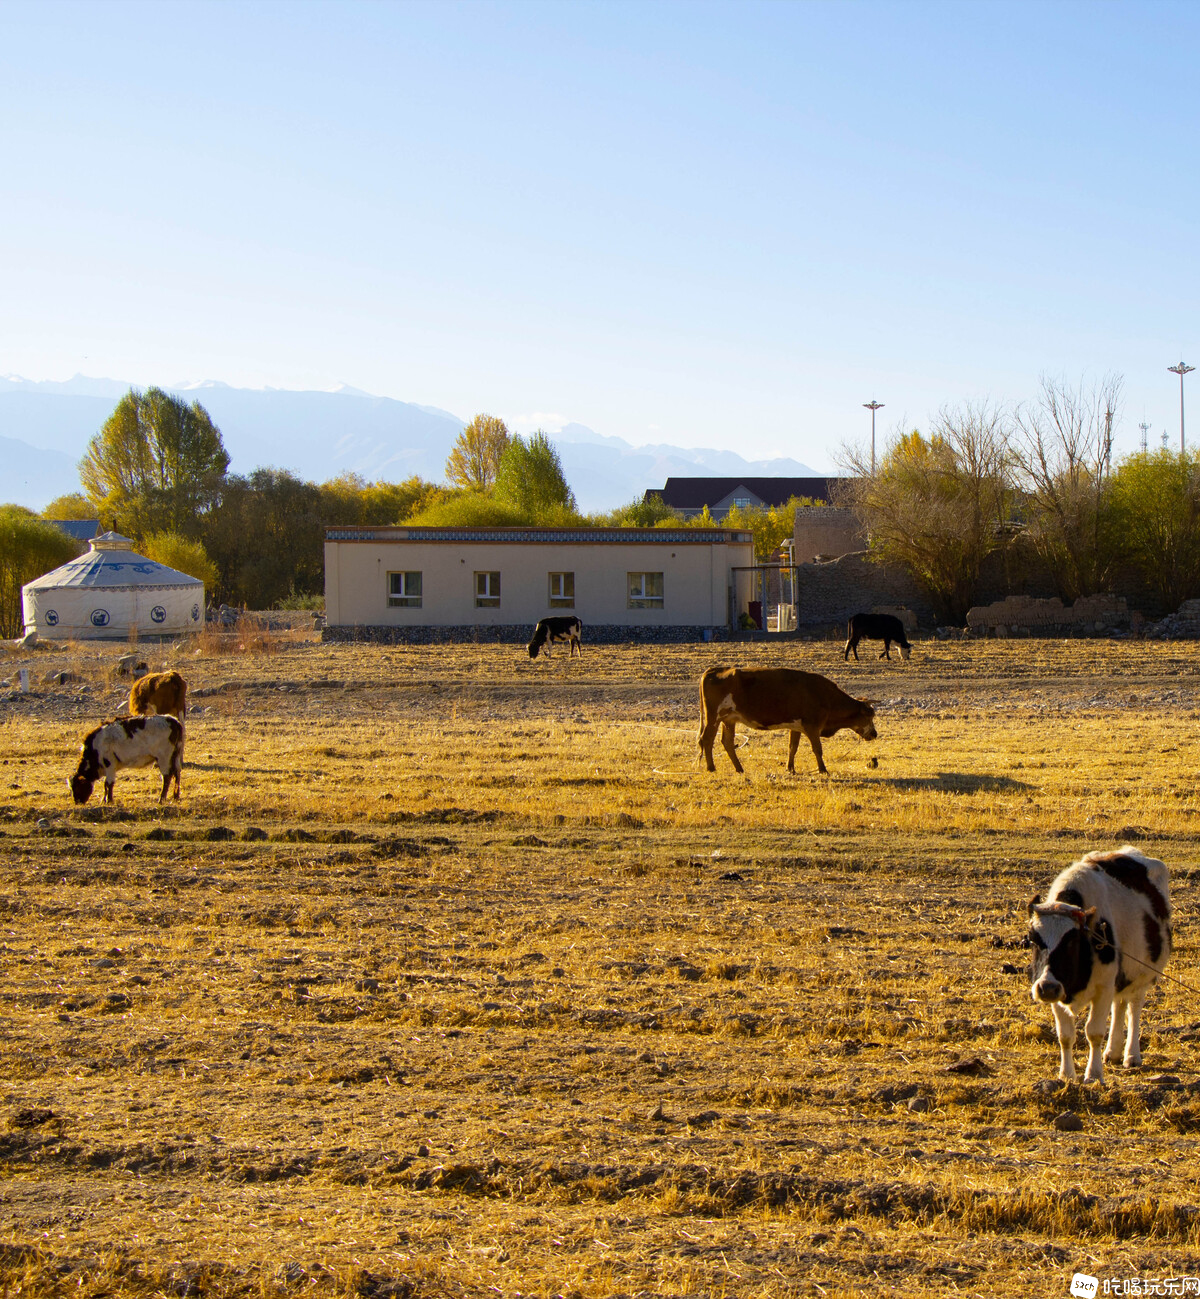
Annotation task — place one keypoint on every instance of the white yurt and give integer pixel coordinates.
(110, 592)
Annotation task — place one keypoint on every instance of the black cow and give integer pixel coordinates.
(876, 626)
(552, 630)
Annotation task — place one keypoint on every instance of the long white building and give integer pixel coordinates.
(399, 577)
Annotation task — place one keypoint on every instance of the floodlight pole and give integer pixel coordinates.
(1180, 370)
(873, 406)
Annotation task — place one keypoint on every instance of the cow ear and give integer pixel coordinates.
(1033, 901)
(1089, 918)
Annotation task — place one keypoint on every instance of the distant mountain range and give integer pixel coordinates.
(45, 429)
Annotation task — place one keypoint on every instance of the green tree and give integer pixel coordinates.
(156, 464)
(74, 505)
(470, 510)
(183, 554)
(770, 524)
(1156, 508)
(266, 539)
(29, 547)
(350, 499)
(937, 505)
(530, 478)
(474, 460)
(642, 512)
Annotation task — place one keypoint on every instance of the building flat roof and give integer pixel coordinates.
(695, 493)
(541, 536)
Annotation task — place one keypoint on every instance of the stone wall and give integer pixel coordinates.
(828, 594)
(1183, 624)
(1020, 613)
(826, 530)
(597, 634)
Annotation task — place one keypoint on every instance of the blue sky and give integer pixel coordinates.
(706, 224)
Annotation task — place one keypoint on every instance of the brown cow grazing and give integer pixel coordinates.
(777, 699)
(160, 692)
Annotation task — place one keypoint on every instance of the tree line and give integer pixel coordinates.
(1035, 490)
(158, 472)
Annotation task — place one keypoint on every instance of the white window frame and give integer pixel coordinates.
(639, 587)
(405, 597)
(564, 597)
(487, 591)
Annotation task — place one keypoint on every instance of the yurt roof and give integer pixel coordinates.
(112, 564)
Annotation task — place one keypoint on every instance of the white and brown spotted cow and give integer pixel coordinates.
(777, 699)
(129, 742)
(1101, 939)
(550, 631)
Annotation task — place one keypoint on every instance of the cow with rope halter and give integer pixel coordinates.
(1101, 939)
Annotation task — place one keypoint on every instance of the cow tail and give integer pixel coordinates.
(708, 672)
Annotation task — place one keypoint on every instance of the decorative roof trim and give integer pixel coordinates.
(525, 536)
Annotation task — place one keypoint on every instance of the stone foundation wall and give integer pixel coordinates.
(519, 635)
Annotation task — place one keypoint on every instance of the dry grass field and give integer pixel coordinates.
(455, 974)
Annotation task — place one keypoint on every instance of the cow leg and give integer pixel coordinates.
(793, 744)
(708, 733)
(814, 738)
(854, 647)
(846, 651)
(1094, 1030)
(1133, 1042)
(727, 739)
(1064, 1023)
(162, 798)
(108, 787)
(1115, 1047)
(887, 650)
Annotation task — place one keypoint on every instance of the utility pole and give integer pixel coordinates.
(873, 406)
(1145, 431)
(1180, 370)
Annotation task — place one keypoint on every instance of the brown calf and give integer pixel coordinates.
(777, 699)
(160, 692)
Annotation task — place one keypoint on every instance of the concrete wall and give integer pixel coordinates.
(695, 567)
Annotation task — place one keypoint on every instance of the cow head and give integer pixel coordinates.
(864, 723)
(1063, 937)
(534, 646)
(905, 651)
(86, 774)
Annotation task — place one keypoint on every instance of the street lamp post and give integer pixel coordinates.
(873, 406)
(1180, 370)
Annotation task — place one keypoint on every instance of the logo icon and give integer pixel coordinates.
(99, 617)
(51, 617)
(158, 613)
(1084, 1286)
(195, 613)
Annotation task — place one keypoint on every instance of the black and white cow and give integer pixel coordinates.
(552, 630)
(1101, 939)
(876, 626)
(156, 740)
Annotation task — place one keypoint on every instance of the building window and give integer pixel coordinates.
(487, 590)
(562, 590)
(404, 590)
(645, 590)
